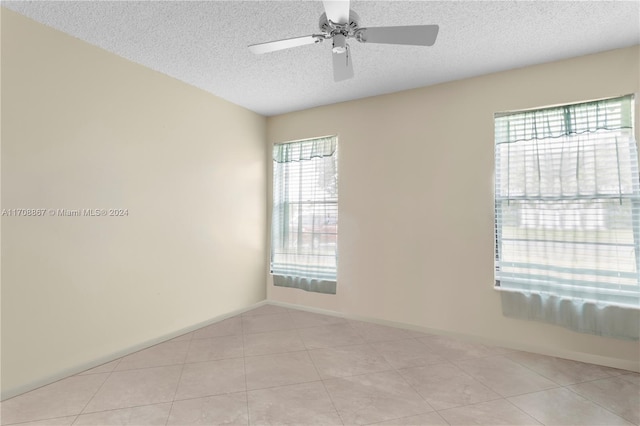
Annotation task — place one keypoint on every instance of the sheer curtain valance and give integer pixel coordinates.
(566, 120)
(304, 150)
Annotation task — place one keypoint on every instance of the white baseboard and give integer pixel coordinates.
(543, 350)
(18, 390)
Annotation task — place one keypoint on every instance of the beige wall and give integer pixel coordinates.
(82, 128)
(416, 201)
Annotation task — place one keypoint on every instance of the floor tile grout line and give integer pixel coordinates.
(408, 417)
(557, 385)
(117, 364)
(284, 385)
(96, 392)
(175, 364)
(348, 345)
(43, 420)
(505, 398)
(609, 375)
(464, 372)
(306, 348)
(597, 403)
(175, 392)
(473, 403)
(333, 404)
(397, 371)
(57, 381)
(532, 415)
(107, 410)
(276, 353)
(597, 380)
(191, 398)
(540, 374)
(533, 392)
(324, 385)
(86, 372)
(244, 366)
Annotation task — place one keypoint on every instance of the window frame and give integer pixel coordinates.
(305, 275)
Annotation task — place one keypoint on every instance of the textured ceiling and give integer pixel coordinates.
(205, 43)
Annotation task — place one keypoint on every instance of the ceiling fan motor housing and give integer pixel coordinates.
(331, 28)
(340, 32)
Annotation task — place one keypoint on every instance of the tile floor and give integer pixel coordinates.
(274, 365)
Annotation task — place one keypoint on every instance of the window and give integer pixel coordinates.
(567, 200)
(304, 232)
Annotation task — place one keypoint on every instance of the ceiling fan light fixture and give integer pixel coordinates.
(339, 43)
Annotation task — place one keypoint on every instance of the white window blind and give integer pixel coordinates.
(305, 214)
(567, 200)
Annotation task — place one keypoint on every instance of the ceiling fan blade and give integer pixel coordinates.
(337, 11)
(417, 35)
(342, 66)
(287, 43)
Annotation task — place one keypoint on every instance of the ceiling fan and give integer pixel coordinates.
(339, 23)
